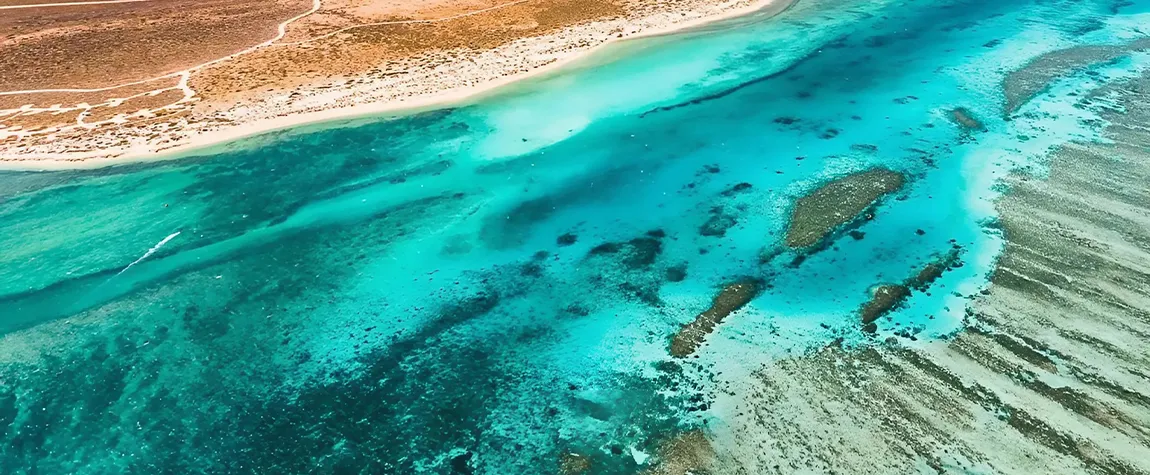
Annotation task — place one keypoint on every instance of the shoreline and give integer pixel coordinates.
(325, 118)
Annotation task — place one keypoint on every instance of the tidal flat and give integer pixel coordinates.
(666, 263)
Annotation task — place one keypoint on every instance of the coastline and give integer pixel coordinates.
(198, 141)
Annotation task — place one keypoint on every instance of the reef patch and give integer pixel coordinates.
(820, 213)
(571, 463)
(685, 454)
(730, 299)
(967, 120)
(888, 297)
(637, 253)
(1023, 84)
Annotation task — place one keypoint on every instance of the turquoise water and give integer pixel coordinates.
(393, 295)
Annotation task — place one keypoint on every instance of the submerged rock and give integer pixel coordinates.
(627, 269)
(605, 248)
(732, 298)
(818, 214)
(646, 292)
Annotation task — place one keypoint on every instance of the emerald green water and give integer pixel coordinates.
(392, 295)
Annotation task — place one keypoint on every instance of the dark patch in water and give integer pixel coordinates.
(505, 230)
(648, 294)
(605, 248)
(718, 223)
(566, 239)
(736, 189)
(637, 253)
(643, 252)
(736, 88)
(460, 463)
(531, 269)
(204, 326)
(966, 119)
(576, 310)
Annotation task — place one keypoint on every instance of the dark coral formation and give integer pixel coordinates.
(629, 267)
(887, 297)
(725, 214)
(933, 270)
(566, 239)
(737, 188)
(637, 253)
(817, 215)
(642, 252)
(966, 119)
(884, 298)
(718, 224)
(732, 298)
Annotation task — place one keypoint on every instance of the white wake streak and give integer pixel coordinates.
(150, 251)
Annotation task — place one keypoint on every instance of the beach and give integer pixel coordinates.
(457, 76)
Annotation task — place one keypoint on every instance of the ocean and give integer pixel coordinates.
(495, 286)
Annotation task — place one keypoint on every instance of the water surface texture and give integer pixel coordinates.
(494, 287)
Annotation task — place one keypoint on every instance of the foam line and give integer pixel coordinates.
(151, 251)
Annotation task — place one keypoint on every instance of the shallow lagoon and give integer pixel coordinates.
(431, 293)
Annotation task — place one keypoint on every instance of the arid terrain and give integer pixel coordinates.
(133, 77)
